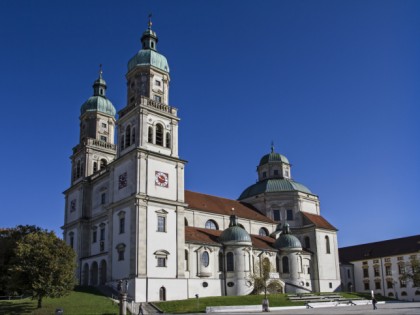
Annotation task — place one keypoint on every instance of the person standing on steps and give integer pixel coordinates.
(141, 310)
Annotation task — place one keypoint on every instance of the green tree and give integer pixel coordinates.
(11, 284)
(262, 280)
(412, 272)
(47, 263)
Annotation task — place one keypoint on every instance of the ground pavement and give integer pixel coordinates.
(404, 308)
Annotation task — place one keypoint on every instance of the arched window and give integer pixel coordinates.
(127, 136)
(229, 262)
(122, 143)
(277, 264)
(220, 261)
(95, 166)
(103, 164)
(185, 222)
(241, 226)
(263, 232)
(133, 135)
(71, 239)
(403, 293)
(285, 264)
(205, 258)
(168, 140)
(120, 250)
(162, 294)
(150, 135)
(327, 245)
(212, 225)
(186, 261)
(159, 134)
(78, 169)
(307, 242)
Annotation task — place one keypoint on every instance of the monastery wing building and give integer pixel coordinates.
(128, 215)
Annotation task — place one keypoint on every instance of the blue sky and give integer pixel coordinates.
(335, 85)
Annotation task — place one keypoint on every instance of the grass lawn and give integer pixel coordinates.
(82, 301)
(194, 306)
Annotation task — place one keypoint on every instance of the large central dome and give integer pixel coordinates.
(273, 185)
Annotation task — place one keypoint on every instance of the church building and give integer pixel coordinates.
(128, 215)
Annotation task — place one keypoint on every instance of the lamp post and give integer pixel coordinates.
(123, 289)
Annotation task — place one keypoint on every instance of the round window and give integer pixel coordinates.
(205, 284)
(230, 284)
(205, 259)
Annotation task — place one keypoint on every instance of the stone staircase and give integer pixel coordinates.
(133, 307)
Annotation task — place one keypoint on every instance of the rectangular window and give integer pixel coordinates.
(289, 215)
(157, 83)
(103, 125)
(388, 259)
(103, 138)
(161, 224)
(94, 236)
(276, 215)
(103, 198)
(158, 99)
(122, 225)
(366, 273)
(264, 174)
(388, 271)
(364, 263)
(161, 262)
(389, 284)
(71, 241)
(375, 261)
(121, 254)
(403, 283)
(377, 285)
(73, 205)
(367, 286)
(400, 258)
(330, 285)
(276, 172)
(376, 271)
(401, 269)
(102, 234)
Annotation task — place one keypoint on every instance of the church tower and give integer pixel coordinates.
(96, 147)
(148, 176)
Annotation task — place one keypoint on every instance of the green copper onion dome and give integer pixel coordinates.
(273, 185)
(287, 241)
(234, 234)
(98, 102)
(148, 55)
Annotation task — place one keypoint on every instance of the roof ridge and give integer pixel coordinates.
(195, 192)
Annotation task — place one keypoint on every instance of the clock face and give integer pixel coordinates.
(161, 179)
(122, 180)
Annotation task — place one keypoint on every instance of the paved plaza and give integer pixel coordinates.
(403, 308)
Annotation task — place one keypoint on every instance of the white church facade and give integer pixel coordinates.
(128, 215)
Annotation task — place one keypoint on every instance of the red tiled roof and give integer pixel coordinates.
(398, 246)
(317, 220)
(210, 237)
(219, 205)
